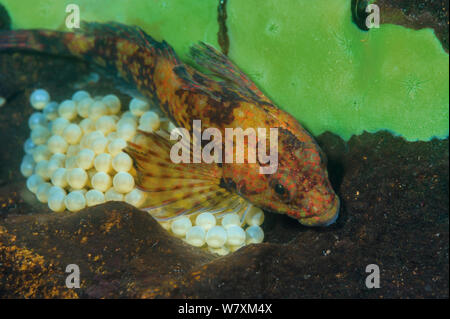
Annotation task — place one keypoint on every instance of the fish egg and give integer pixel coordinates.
(51, 111)
(97, 110)
(71, 162)
(33, 182)
(230, 220)
(122, 162)
(112, 195)
(126, 131)
(216, 237)
(56, 144)
(205, 220)
(39, 99)
(94, 197)
(132, 120)
(80, 95)
(75, 201)
(29, 146)
(255, 217)
(112, 103)
(56, 201)
(111, 136)
(99, 145)
(254, 235)
(37, 119)
(54, 189)
(103, 162)
(235, 235)
(83, 107)
(41, 169)
(77, 178)
(42, 192)
(123, 182)
(59, 177)
(40, 153)
(87, 126)
(60, 158)
(68, 110)
(85, 159)
(40, 135)
(27, 165)
(106, 124)
(138, 107)
(72, 134)
(86, 141)
(58, 125)
(101, 181)
(73, 150)
(195, 236)
(149, 122)
(180, 226)
(52, 166)
(136, 198)
(116, 146)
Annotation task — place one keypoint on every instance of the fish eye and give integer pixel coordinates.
(279, 189)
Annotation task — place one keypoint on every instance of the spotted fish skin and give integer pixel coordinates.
(299, 188)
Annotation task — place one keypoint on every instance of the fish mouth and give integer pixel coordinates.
(326, 219)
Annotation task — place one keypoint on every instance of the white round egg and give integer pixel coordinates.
(37, 119)
(112, 103)
(75, 201)
(83, 107)
(196, 236)
(39, 99)
(85, 158)
(52, 166)
(149, 122)
(231, 219)
(77, 178)
(116, 146)
(136, 198)
(106, 124)
(68, 110)
(59, 177)
(80, 95)
(255, 216)
(33, 182)
(58, 125)
(41, 169)
(254, 235)
(126, 131)
(42, 192)
(94, 197)
(27, 165)
(216, 237)
(29, 146)
(180, 226)
(122, 162)
(235, 235)
(97, 110)
(51, 111)
(56, 201)
(205, 220)
(41, 153)
(123, 182)
(103, 162)
(138, 107)
(99, 145)
(101, 181)
(72, 134)
(87, 126)
(57, 144)
(40, 135)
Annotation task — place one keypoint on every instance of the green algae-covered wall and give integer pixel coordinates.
(309, 58)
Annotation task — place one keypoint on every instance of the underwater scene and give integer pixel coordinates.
(217, 149)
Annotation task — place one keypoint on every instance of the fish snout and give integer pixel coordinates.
(324, 219)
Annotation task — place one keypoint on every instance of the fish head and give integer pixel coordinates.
(299, 187)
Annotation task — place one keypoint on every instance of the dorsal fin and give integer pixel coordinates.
(221, 66)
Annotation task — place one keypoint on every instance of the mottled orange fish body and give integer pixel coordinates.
(299, 188)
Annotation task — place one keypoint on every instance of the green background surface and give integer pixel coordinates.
(309, 58)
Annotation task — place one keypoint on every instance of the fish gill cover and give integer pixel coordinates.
(311, 60)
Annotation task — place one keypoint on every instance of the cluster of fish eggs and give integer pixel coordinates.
(74, 159)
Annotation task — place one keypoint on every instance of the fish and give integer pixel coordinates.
(221, 96)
